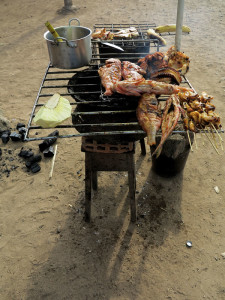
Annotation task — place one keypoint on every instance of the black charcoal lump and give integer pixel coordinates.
(49, 152)
(49, 142)
(26, 153)
(19, 125)
(5, 137)
(35, 168)
(15, 137)
(34, 159)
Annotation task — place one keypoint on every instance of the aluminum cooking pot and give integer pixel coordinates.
(72, 49)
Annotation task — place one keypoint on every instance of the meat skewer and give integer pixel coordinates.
(110, 74)
(149, 116)
(138, 87)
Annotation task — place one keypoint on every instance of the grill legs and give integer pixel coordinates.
(95, 162)
(143, 149)
(132, 187)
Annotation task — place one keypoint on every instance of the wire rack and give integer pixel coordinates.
(59, 81)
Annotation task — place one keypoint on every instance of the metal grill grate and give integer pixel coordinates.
(87, 94)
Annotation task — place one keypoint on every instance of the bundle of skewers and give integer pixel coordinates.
(160, 74)
(200, 116)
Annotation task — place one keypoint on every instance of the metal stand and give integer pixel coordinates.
(95, 162)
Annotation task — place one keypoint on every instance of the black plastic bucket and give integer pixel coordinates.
(174, 155)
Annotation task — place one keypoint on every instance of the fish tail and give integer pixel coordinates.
(157, 151)
(150, 140)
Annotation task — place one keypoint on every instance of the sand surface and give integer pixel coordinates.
(47, 251)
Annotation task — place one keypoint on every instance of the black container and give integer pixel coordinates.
(133, 50)
(174, 155)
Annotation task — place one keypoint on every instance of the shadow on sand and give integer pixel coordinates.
(95, 260)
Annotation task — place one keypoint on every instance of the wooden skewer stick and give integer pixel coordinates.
(53, 162)
(220, 138)
(210, 141)
(196, 145)
(217, 132)
(189, 140)
(213, 137)
(203, 143)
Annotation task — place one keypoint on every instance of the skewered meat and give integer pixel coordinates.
(187, 97)
(110, 74)
(204, 97)
(131, 71)
(170, 118)
(200, 111)
(149, 116)
(192, 126)
(211, 117)
(138, 87)
(196, 117)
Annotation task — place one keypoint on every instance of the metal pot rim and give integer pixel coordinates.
(70, 26)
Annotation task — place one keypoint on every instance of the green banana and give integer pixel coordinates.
(171, 28)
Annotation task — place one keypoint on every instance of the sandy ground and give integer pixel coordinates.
(47, 251)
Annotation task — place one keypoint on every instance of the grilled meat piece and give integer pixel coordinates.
(170, 118)
(149, 116)
(177, 60)
(110, 74)
(126, 33)
(102, 34)
(138, 87)
(131, 71)
(168, 75)
(151, 63)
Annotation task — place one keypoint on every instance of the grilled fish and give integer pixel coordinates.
(110, 74)
(148, 115)
(170, 118)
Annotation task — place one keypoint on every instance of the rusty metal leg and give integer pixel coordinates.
(87, 187)
(143, 149)
(132, 186)
(94, 180)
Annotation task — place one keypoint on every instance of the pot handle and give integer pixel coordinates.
(74, 19)
(69, 44)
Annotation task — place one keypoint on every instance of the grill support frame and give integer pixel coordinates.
(95, 162)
